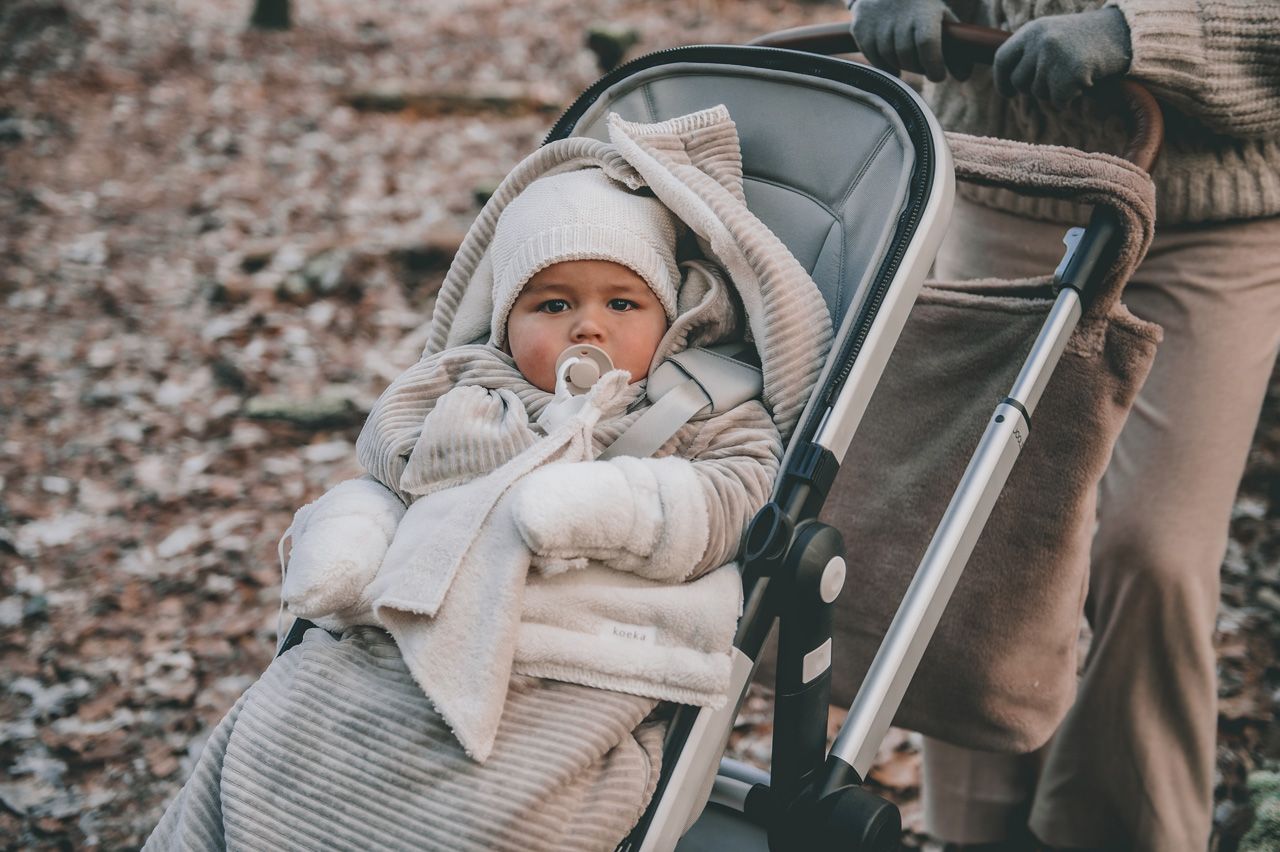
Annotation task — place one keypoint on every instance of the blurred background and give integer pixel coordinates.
(220, 241)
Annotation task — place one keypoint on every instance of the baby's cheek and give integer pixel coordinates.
(637, 364)
(540, 367)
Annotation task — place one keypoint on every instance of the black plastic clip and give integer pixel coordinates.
(810, 473)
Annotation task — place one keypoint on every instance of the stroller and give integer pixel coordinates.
(866, 226)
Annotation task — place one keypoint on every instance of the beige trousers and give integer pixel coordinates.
(1131, 765)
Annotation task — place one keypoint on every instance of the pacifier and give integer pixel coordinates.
(581, 366)
(577, 369)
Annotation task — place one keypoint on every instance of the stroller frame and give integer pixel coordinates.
(793, 564)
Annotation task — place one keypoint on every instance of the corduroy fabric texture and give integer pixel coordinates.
(273, 777)
(1213, 65)
(581, 215)
(1000, 671)
(470, 432)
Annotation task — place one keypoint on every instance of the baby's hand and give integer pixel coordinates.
(338, 544)
(585, 510)
(645, 516)
(470, 431)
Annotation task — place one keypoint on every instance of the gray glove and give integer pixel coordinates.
(1057, 57)
(906, 35)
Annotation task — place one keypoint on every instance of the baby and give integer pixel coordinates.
(511, 607)
(494, 485)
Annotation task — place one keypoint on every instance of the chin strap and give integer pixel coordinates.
(713, 379)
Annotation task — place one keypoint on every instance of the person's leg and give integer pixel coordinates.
(1147, 698)
(978, 797)
(1131, 766)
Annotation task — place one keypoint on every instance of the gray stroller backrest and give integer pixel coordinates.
(827, 166)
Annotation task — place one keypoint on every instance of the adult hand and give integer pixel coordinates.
(1057, 57)
(906, 35)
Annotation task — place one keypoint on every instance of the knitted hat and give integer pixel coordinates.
(581, 215)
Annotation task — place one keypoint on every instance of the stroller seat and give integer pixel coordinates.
(833, 193)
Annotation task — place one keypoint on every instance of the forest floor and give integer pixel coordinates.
(218, 247)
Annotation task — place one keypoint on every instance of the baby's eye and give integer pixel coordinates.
(622, 304)
(553, 306)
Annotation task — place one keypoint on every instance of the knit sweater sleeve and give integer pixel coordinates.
(1214, 59)
(736, 457)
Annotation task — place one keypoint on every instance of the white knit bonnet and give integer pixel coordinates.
(581, 215)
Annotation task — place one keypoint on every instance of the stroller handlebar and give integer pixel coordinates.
(1146, 122)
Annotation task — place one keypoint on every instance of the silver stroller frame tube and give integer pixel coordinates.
(921, 608)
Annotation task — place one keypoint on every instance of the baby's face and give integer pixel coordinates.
(584, 301)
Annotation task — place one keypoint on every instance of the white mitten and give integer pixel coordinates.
(338, 544)
(645, 516)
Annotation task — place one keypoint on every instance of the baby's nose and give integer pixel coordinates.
(587, 328)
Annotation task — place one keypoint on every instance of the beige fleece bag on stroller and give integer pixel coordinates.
(1000, 672)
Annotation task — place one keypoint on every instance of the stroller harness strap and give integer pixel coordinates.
(711, 379)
